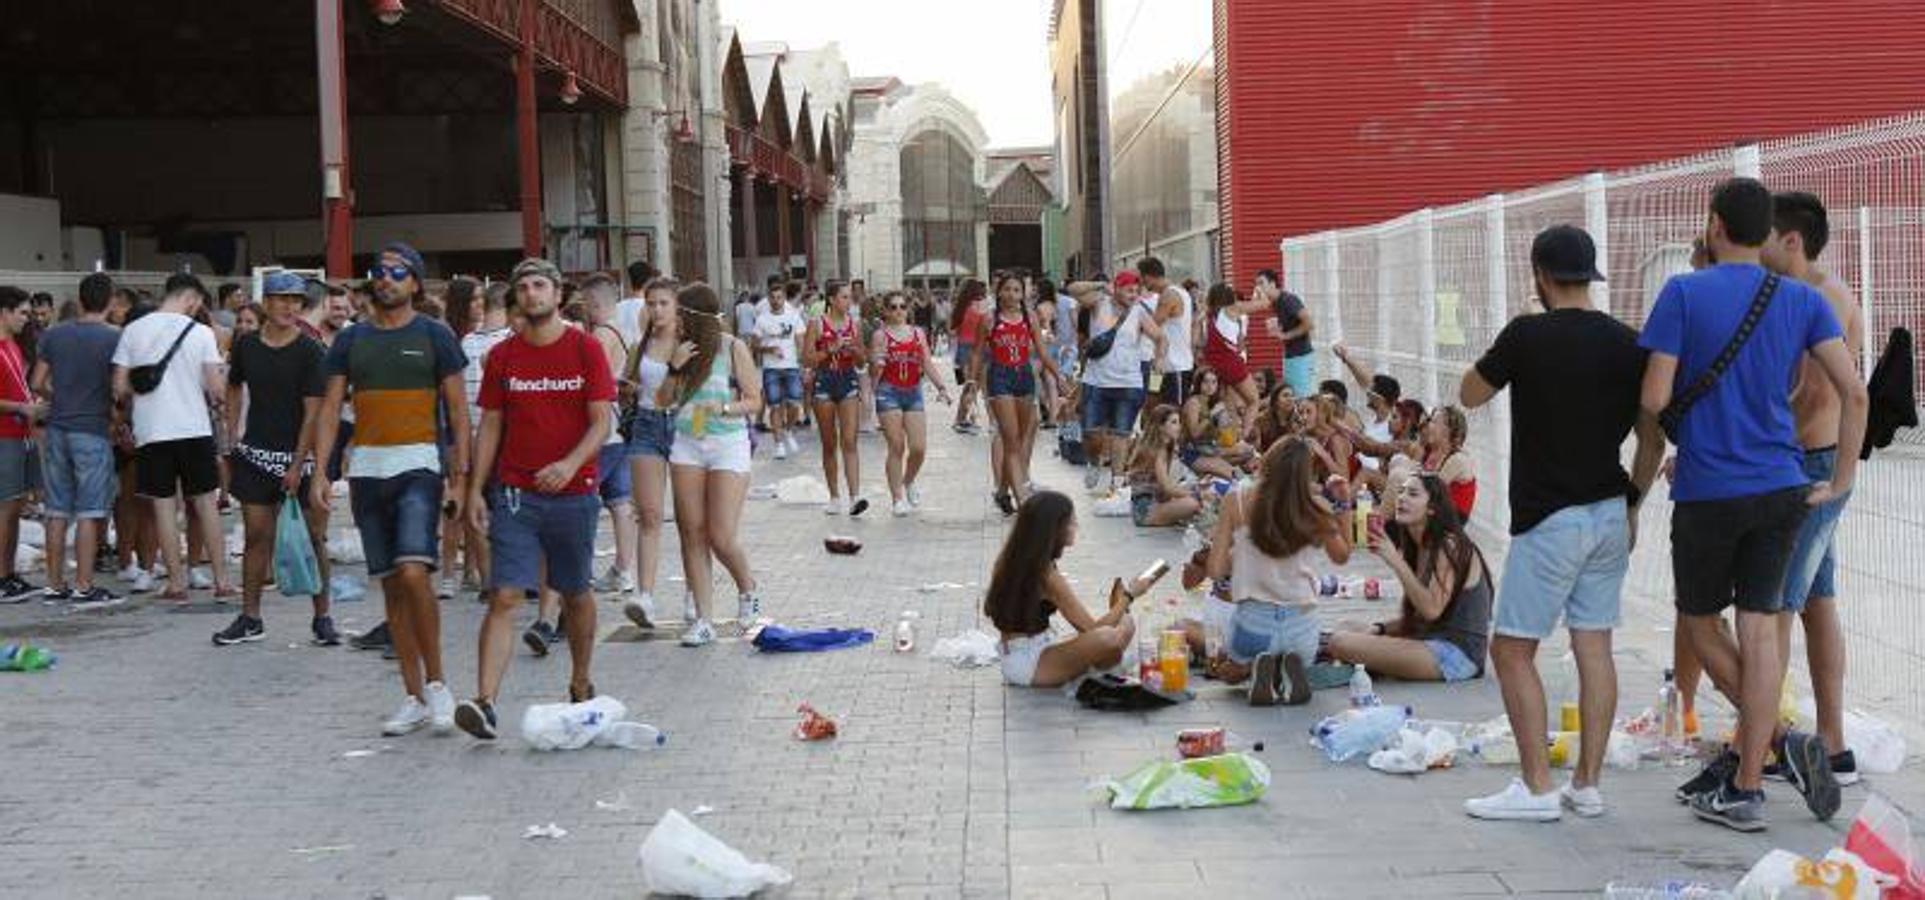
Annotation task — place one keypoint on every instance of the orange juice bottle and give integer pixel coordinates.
(1174, 661)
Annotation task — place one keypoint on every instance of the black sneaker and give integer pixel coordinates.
(376, 638)
(1807, 767)
(1294, 680)
(1731, 807)
(1266, 679)
(14, 589)
(1714, 774)
(55, 595)
(96, 598)
(1844, 769)
(324, 633)
(477, 717)
(1005, 502)
(244, 628)
(538, 637)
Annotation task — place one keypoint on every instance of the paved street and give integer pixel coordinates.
(150, 764)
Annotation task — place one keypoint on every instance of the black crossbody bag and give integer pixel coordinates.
(144, 379)
(1671, 418)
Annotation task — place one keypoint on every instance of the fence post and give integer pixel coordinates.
(1383, 267)
(1427, 298)
(1597, 222)
(1865, 353)
(1746, 162)
(1498, 308)
(1333, 291)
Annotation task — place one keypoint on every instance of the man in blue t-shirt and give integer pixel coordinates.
(1741, 489)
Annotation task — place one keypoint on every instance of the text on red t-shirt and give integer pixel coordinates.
(546, 397)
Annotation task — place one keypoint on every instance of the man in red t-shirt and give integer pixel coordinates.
(18, 410)
(545, 397)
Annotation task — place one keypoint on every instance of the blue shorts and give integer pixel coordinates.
(1452, 662)
(891, 398)
(1141, 502)
(526, 528)
(1111, 409)
(612, 470)
(1572, 564)
(78, 470)
(1011, 381)
(1814, 557)
(1298, 372)
(399, 519)
(781, 386)
(836, 385)
(1259, 627)
(653, 433)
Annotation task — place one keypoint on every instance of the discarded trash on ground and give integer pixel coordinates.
(801, 490)
(679, 858)
(842, 545)
(1115, 506)
(1412, 752)
(551, 831)
(971, 648)
(571, 726)
(934, 586)
(1358, 731)
(777, 639)
(618, 804)
(1840, 875)
(1230, 779)
(1882, 837)
(26, 658)
(814, 725)
(702, 810)
(1664, 890)
(347, 588)
(367, 752)
(344, 548)
(1879, 748)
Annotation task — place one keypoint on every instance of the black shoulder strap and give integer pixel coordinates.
(1673, 414)
(164, 360)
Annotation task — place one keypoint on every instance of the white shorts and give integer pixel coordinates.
(716, 452)
(1020, 656)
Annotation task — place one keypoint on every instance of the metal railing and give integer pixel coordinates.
(1423, 295)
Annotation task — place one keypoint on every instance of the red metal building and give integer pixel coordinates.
(1331, 115)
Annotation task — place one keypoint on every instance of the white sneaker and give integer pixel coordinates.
(748, 608)
(143, 582)
(615, 581)
(781, 448)
(640, 610)
(913, 494)
(833, 507)
(688, 609)
(794, 445)
(444, 588)
(1516, 803)
(1587, 802)
(199, 578)
(441, 706)
(410, 717)
(130, 573)
(700, 634)
(901, 508)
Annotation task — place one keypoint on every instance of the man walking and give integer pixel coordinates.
(280, 369)
(778, 340)
(1573, 373)
(547, 400)
(400, 365)
(75, 370)
(1723, 342)
(179, 383)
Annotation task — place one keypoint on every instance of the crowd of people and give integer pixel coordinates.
(483, 430)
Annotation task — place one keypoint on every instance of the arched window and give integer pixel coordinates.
(941, 207)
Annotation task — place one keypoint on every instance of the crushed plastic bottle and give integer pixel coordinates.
(632, 736)
(26, 658)
(906, 631)
(1664, 890)
(1357, 732)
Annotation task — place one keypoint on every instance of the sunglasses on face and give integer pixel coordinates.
(897, 307)
(396, 274)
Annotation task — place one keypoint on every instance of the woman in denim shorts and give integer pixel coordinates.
(1444, 628)
(1007, 344)
(651, 434)
(900, 359)
(835, 352)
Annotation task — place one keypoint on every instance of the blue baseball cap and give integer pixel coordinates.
(283, 282)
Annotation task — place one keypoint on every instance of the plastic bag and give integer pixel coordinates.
(680, 859)
(1879, 747)
(347, 588)
(297, 573)
(1412, 752)
(1841, 875)
(345, 548)
(1882, 837)
(971, 648)
(569, 726)
(1232, 779)
(1115, 506)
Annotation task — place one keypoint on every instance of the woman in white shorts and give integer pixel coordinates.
(714, 395)
(1026, 589)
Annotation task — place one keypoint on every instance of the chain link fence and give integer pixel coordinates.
(1423, 295)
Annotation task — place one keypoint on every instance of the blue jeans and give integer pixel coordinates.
(1259, 627)
(78, 469)
(781, 386)
(1111, 409)
(525, 528)
(398, 518)
(1571, 564)
(892, 398)
(1814, 556)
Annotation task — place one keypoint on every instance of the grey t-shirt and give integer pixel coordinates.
(79, 358)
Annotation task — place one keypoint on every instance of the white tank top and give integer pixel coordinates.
(1229, 327)
(1177, 354)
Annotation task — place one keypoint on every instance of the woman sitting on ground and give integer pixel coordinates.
(1268, 541)
(1444, 629)
(1206, 420)
(1279, 417)
(1157, 499)
(1026, 589)
(1442, 454)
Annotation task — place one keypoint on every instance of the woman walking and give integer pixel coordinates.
(965, 322)
(651, 437)
(1007, 342)
(900, 356)
(834, 344)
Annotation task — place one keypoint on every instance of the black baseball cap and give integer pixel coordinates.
(1566, 255)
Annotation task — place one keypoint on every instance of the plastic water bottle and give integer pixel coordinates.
(1361, 731)
(1362, 693)
(1664, 890)
(1671, 727)
(633, 736)
(906, 631)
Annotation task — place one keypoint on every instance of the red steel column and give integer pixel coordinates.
(528, 145)
(337, 201)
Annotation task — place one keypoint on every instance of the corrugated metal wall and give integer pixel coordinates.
(1341, 114)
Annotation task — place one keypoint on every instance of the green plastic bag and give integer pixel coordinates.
(1231, 779)
(297, 573)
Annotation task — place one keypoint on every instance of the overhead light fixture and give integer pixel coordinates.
(684, 132)
(571, 90)
(389, 12)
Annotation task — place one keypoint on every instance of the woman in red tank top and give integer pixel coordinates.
(1226, 327)
(899, 360)
(1005, 353)
(835, 351)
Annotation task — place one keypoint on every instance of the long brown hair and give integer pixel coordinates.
(701, 316)
(1221, 295)
(1153, 444)
(1445, 543)
(1014, 600)
(1286, 517)
(632, 372)
(971, 291)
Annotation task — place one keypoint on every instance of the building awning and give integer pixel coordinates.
(938, 268)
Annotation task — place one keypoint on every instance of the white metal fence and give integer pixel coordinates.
(1423, 295)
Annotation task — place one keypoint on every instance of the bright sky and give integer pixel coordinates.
(991, 54)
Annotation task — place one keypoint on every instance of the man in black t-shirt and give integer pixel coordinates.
(1574, 374)
(276, 373)
(1291, 324)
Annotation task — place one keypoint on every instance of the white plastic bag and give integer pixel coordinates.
(801, 490)
(1411, 753)
(569, 726)
(344, 547)
(1879, 748)
(681, 859)
(1115, 506)
(971, 648)
(1841, 875)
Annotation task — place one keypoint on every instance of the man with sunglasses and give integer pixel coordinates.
(404, 369)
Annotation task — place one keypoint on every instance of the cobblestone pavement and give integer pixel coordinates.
(150, 764)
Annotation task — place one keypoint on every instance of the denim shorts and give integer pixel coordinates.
(1572, 564)
(1814, 558)
(1011, 381)
(1259, 627)
(836, 385)
(1452, 662)
(399, 518)
(653, 433)
(611, 469)
(1141, 502)
(14, 479)
(1111, 409)
(525, 528)
(78, 468)
(892, 398)
(781, 386)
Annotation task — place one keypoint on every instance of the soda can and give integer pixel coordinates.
(1194, 742)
